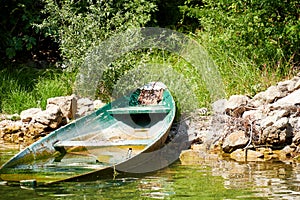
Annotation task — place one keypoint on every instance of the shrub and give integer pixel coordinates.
(262, 30)
(17, 34)
(78, 26)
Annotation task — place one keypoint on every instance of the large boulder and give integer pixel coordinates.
(51, 117)
(255, 114)
(277, 134)
(272, 94)
(236, 101)
(67, 105)
(235, 140)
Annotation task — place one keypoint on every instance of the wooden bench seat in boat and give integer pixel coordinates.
(140, 109)
(71, 143)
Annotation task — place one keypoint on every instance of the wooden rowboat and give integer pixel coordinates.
(113, 138)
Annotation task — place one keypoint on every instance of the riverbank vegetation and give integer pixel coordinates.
(42, 43)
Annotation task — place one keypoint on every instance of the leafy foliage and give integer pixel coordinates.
(260, 29)
(16, 29)
(78, 26)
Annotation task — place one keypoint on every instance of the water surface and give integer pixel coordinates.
(219, 179)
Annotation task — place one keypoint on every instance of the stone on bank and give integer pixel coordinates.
(261, 128)
(35, 123)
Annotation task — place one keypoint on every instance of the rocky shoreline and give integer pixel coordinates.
(34, 123)
(261, 128)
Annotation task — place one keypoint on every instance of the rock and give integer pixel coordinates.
(235, 105)
(236, 101)
(256, 103)
(235, 140)
(283, 86)
(12, 128)
(295, 123)
(34, 129)
(2, 117)
(246, 155)
(277, 136)
(51, 117)
(273, 93)
(269, 96)
(265, 150)
(27, 115)
(219, 106)
(285, 153)
(84, 102)
(13, 117)
(273, 117)
(198, 147)
(297, 84)
(192, 157)
(286, 86)
(84, 107)
(294, 84)
(256, 114)
(290, 100)
(98, 104)
(67, 104)
(281, 123)
(296, 138)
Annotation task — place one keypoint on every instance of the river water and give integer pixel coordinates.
(214, 179)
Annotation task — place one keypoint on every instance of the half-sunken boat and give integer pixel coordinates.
(116, 136)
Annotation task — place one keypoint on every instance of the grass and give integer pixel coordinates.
(24, 86)
(240, 74)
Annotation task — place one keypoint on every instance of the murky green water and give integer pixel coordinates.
(211, 180)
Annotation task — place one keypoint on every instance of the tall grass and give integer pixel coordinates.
(240, 74)
(60, 84)
(27, 87)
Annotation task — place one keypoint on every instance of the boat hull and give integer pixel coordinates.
(108, 140)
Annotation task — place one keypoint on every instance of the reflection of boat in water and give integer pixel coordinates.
(117, 136)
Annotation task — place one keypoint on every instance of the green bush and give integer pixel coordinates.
(267, 32)
(17, 34)
(78, 26)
